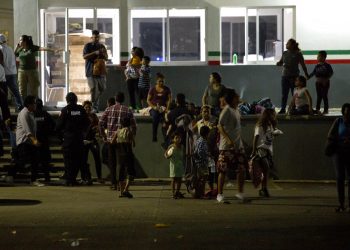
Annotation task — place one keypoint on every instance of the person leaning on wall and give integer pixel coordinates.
(28, 75)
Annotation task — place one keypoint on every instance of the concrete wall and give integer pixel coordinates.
(252, 82)
(298, 153)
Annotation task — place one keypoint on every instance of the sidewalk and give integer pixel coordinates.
(298, 215)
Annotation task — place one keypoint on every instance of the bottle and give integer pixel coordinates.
(234, 58)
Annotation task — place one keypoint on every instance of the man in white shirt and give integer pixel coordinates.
(3, 96)
(231, 150)
(8, 61)
(26, 140)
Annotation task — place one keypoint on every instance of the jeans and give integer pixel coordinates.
(11, 82)
(97, 85)
(342, 167)
(95, 150)
(157, 117)
(288, 83)
(322, 87)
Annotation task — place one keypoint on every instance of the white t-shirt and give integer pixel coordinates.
(265, 138)
(9, 60)
(230, 120)
(300, 97)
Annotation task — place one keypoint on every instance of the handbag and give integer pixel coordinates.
(99, 68)
(331, 147)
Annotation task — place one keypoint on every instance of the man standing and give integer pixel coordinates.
(26, 140)
(231, 151)
(111, 120)
(95, 55)
(8, 61)
(73, 122)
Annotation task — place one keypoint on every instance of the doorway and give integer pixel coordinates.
(70, 29)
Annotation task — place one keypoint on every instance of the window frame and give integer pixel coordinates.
(224, 12)
(166, 14)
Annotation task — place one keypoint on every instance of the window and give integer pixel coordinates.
(254, 35)
(169, 35)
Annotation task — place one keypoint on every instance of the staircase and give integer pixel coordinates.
(23, 175)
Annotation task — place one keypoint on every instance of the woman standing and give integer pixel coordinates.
(291, 58)
(213, 92)
(339, 148)
(159, 98)
(28, 76)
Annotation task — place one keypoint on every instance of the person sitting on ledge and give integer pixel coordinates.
(301, 103)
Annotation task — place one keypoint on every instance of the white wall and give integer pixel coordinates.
(320, 24)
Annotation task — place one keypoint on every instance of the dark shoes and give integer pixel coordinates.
(178, 195)
(340, 209)
(264, 192)
(126, 194)
(282, 111)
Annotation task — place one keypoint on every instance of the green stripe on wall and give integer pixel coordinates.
(126, 54)
(329, 52)
(213, 53)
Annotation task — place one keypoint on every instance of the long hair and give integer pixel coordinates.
(294, 44)
(267, 118)
(28, 40)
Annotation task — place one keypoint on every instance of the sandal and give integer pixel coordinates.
(340, 209)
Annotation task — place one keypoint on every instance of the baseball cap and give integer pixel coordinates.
(2, 38)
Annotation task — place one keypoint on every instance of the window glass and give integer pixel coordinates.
(169, 35)
(268, 29)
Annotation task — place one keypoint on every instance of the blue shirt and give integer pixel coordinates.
(323, 70)
(145, 77)
(89, 63)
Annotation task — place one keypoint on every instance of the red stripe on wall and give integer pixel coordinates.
(330, 61)
(213, 62)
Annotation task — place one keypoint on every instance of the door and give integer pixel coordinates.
(54, 66)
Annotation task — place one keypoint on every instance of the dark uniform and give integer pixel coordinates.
(73, 122)
(45, 127)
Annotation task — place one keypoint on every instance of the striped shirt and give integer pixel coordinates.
(145, 77)
(112, 117)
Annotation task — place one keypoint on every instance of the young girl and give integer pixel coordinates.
(301, 103)
(175, 154)
(265, 130)
(125, 140)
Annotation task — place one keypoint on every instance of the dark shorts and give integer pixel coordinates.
(232, 159)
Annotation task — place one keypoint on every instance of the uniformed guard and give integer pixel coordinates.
(73, 122)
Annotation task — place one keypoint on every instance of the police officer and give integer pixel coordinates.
(73, 122)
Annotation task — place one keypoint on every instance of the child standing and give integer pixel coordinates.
(323, 72)
(201, 161)
(125, 140)
(301, 103)
(265, 130)
(175, 154)
(144, 81)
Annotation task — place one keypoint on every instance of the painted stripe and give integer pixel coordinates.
(124, 54)
(211, 63)
(214, 53)
(331, 61)
(329, 52)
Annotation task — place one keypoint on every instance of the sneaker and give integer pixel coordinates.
(126, 194)
(230, 184)
(240, 196)
(9, 179)
(220, 198)
(340, 209)
(37, 184)
(264, 193)
(179, 195)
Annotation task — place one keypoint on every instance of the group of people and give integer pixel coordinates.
(204, 147)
